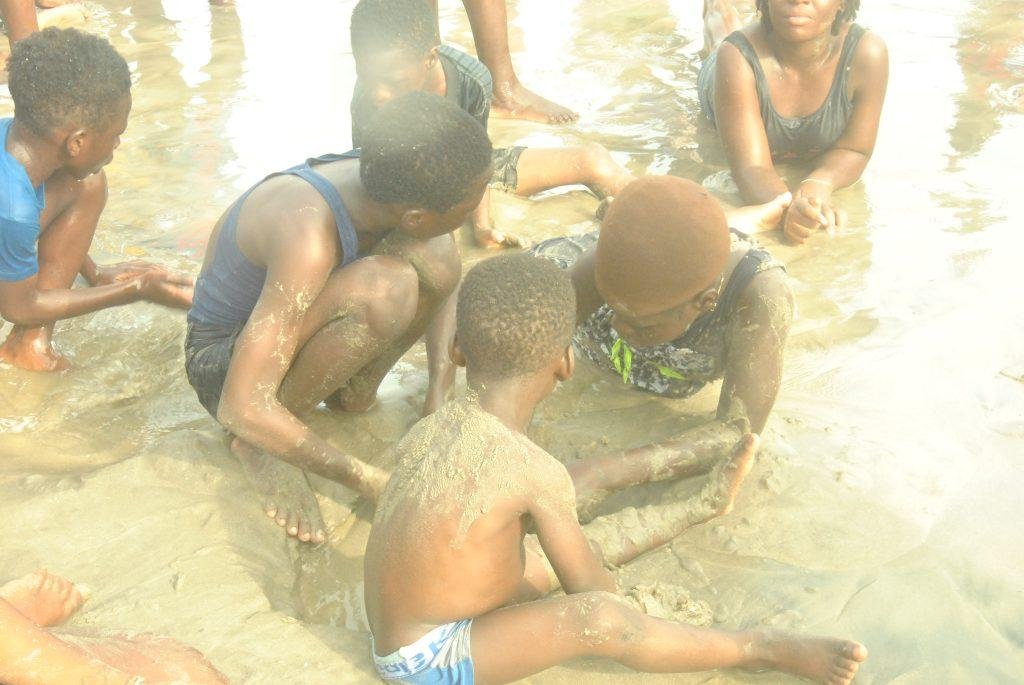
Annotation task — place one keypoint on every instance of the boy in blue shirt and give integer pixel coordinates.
(71, 96)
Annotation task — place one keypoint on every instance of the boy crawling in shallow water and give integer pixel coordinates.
(452, 579)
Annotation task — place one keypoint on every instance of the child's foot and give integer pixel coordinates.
(823, 660)
(43, 598)
(760, 218)
(32, 349)
(726, 477)
(492, 238)
(513, 101)
(287, 497)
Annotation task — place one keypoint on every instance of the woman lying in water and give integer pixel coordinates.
(31, 654)
(805, 83)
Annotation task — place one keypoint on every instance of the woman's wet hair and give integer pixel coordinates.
(409, 25)
(516, 314)
(423, 151)
(64, 76)
(847, 13)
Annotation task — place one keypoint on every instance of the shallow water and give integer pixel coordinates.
(884, 507)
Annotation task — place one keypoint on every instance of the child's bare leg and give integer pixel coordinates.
(693, 453)
(360, 312)
(438, 268)
(29, 654)
(720, 19)
(505, 644)
(152, 658)
(43, 598)
(590, 165)
(625, 535)
(68, 224)
(489, 21)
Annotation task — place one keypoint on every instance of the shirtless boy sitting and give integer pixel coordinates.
(317, 280)
(397, 50)
(71, 96)
(450, 585)
(33, 654)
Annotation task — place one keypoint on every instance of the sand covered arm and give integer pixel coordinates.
(249, 406)
(553, 509)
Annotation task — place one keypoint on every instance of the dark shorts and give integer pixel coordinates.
(505, 161)
(208, 351)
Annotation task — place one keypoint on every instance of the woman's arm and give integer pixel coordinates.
(739, 123)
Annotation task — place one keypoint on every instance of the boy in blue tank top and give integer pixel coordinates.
(397, 50)
(317, 280)
(71, 103)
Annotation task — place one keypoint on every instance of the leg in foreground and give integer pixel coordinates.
(514, 642)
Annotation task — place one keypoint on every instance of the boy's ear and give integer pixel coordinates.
(707, 299)
(412, 220)
(566, 365)
(432, 57)
(455, 353)
(74, 142)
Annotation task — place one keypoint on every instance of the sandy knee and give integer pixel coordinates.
(600, 619)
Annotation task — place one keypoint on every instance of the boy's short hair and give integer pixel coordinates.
(516, 313)
(422, 150)
(409, 25)
(64, 76)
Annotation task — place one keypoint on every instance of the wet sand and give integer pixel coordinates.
(885, 503)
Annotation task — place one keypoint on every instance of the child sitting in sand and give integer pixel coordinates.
(450, 585)
(30, 654)
(397, 50)
(71, 103)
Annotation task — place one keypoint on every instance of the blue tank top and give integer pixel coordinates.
(228, 289)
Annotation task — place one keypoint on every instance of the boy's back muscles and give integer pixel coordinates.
(447, 541)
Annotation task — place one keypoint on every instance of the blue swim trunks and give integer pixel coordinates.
(441, 657)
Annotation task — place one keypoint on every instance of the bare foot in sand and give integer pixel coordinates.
(725, 479)
(513, 101)
(43, 598)
(824, 660)
(287, 497)
(32, 349)
(760, 218)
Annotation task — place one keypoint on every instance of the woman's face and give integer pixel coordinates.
(801, 20)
